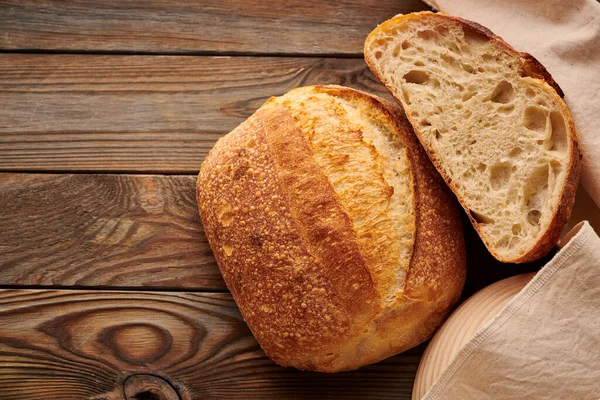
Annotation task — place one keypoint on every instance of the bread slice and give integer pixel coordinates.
(339, 241)
(493, 122)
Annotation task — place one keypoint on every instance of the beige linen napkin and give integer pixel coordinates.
(545, 343)
(565, 36)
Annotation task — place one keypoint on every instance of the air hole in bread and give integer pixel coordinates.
(558, 137)
(442, 30)
(425, 122)
(419, 64)
(474, 37)
(529, 92)
(406, 45)
(416, 76)
(536, 188)
(396, 50)
(517, 229)
(468, 68)
(480, 69)
(453, 48)
(378, 54)
(480, 218)
(503, 93)
(487, 57)
(447, 58)
(500, 174)
(468, 95)
(535, 119)
(468, 114)
(533, 217)
(406, 97)
(506, 109)
(504, 242)
(426, 34)
(382, 41)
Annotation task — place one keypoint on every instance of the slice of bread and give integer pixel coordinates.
(493, 122)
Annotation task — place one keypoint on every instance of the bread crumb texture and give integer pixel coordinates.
(489, 118)
(309, 208)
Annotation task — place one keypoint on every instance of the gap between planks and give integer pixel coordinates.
(143, 289)
(167, 53)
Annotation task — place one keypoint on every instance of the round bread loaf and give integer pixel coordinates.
(338, 239)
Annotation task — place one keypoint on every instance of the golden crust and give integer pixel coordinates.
(336, 125)
(289, 255)
(531, 67)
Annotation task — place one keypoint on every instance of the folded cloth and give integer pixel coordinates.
(565, 36)
(545, 343)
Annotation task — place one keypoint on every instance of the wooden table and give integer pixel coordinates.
(109, 289)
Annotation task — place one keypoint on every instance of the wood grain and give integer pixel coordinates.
(144, 386)
(188, 26)
(103, 230)
(134, 231)
(84, 345)
(152, 114)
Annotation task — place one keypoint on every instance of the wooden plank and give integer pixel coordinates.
(188, 26)
(133, 231)
(153, 114)
(85, 344)
(103, 230)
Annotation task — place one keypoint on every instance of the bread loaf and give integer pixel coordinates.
(339, 241)
(493, 122)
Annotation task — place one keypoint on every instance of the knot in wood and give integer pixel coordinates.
(149, 387)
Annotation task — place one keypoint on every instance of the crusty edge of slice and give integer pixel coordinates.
(530, 67)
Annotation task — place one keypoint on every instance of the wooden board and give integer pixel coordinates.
(127, 231)
(84, 344)
(189, 26)
(153, 114)
(103, 230)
